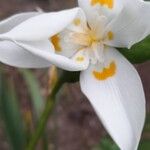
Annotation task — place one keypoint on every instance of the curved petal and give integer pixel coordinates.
(131, 26)
(13, 55)
(80, 57)
(11, 22)
(42, 26)
(95, 8)
(58, 60)
(63, 42)
(116, 93)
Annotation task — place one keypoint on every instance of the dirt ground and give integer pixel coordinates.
(78, 128)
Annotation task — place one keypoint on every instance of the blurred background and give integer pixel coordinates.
(73, 124)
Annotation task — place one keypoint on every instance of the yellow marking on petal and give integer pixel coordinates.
(77, 21)
(56, 42)
(106, 72)
(81, 49)
(80, 58)
(110, 35)
(108, 3)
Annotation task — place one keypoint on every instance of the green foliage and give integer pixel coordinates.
(106, 144)
(147, 124)
(34, 90)
(11, 115)
(145, 144)
(139, 52)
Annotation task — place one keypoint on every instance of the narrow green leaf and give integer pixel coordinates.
(106, 143)
(144, 145)
(139, 52)
(34, 90)
(147, 124)
(11, 115)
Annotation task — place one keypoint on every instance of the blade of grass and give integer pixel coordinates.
(11, 115)
(34, 90)
(36, 97)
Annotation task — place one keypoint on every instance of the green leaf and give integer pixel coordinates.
(34, 90)
(145, 144)
(139, 52)
(106, 144)
(11, 115)
(147, 124)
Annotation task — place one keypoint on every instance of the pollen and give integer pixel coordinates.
(56, 42)
(108, 3)
(106, 72)
(110, 35)
(80, 58)
(77, 21)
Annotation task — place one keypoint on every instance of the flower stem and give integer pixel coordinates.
(46, 113)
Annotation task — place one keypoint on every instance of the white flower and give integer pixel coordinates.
(83, 39)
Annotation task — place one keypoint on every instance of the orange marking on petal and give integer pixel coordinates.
(108, 3)
(80, 58)
(56, 42)
(77, 21)
(110, 35)
(106, 72)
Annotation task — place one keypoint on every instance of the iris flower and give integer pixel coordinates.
(85, 39)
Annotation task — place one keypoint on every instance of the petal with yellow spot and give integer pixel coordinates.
(77, 21)
(110, 35)
(80, 59)
(106, 72)
(56, 42)
(108, 3)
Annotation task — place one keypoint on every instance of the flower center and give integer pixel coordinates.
(84, 39)
(91, 43)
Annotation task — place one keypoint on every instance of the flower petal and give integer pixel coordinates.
(64, 42)
(42, 26)
(58, 60)
(94, 8)
(115, 91)
(14, 55)
(81, 56)
(11, 22)
(131, 26)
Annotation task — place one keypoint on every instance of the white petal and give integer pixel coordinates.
(94, 9)
(63, 42)
(14, 55)
(58, 60)
(11, 22)
(131, 26)
(81, 57)
(42, 26)
(118, 98)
